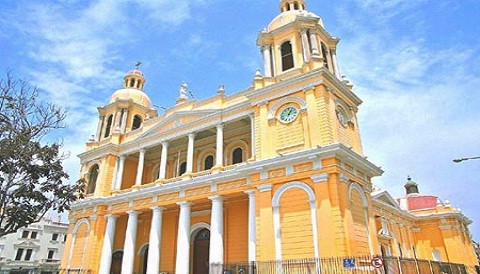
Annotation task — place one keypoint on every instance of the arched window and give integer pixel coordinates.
(182, 169)
(295, 5)
(137, 122)
(237, 156)
(325, 54)
(208, 163)
(287, 55)
(92, 179)
(109, 126)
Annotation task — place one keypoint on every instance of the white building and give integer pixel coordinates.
(37, 248)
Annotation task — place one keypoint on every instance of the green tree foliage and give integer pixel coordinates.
(32, 178)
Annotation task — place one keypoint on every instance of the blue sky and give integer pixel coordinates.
(413, 63)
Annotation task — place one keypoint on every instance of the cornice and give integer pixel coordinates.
(340, 86)
(123, 103)
(257, 97)
(240, 171)
(457, 215)
(96, 153)
(299, 22)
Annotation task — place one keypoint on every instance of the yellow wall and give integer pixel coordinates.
(296, 225)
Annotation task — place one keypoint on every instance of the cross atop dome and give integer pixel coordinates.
(288, 5)
(137, 65)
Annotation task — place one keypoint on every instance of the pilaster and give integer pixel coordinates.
(266, 237)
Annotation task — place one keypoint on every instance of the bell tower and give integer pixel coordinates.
(296, 42)
(128, 108)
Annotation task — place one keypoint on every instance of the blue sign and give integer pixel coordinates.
(349, 263)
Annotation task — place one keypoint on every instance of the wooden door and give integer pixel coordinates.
(116, 266)
(201, 249)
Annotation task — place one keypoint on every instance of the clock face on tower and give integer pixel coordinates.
(342, 118)
(288, 114)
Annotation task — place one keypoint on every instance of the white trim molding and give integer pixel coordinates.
(276, 215)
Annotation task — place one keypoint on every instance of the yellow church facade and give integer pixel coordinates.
(273, 173)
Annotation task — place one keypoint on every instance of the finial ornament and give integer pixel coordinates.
(221, 90)
(183, 96)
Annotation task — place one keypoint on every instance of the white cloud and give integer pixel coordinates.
(420, 107)
(74, 45)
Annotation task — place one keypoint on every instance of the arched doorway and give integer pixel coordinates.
(116, 267)
(201, 249)
(144, 259)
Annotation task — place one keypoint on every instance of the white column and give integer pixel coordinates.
(216, 230)
(99, 128)
(335, 63)
(154, 244)
(305, 45)
(115, 172)
(119, 176)
(182, 265)
(104, 126)
(107, 247)
(252, 136)
(129, 245)
(314, 43)
(141, 162)
(267, 61)
(313, 218)
(163, 161)
(277, 233)
(252, 235)
(124, 120)
(116, 125)
(219, 156)
(191, 139)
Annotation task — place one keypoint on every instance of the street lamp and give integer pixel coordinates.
(465, 159)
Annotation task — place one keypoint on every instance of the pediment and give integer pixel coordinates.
(26, 244)
(177, 119)
(385, 198)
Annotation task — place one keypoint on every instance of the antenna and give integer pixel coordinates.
(191, 94)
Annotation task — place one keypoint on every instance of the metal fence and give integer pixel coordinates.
(350, 265)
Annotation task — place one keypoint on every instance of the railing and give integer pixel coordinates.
(202, 173)
(350, 265)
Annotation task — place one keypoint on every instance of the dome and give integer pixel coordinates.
(290, 16)
(136, 95)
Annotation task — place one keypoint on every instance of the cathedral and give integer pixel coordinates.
(273, 173)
